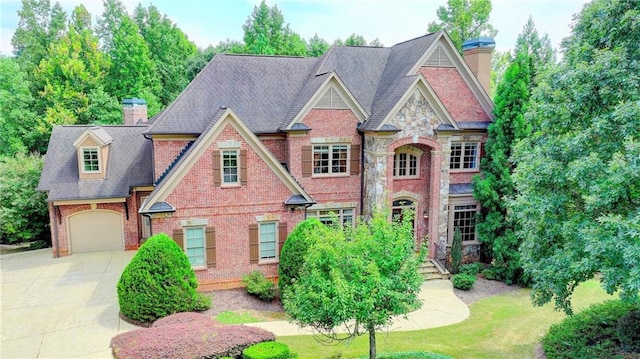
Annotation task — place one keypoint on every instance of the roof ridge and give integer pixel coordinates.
(416, 38)
(267, 55)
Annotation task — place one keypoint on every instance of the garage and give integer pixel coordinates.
(96, 230)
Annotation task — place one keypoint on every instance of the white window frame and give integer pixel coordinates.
(98, 159)
(460, 207)
(397, 161)
(326, 215)
(330, 160)
(223, 181)
(462, 157)
(186, 246)
(269, 259)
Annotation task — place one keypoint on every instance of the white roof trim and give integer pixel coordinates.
(102, 139)
(421, 84)
(335, 81)
(460, 64)
(168, 185)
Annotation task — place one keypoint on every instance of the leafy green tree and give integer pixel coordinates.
(265, 33)
(108, 24)
(376, 43)
(17, 120)
(538, 48)
(103, 109)
(317, 46)
(169, 49)
(355, 40)
(578, 174)
(31, 38)
(463, 20)
(132, 73)
(23, 210)
(357, 278)
(500, 60)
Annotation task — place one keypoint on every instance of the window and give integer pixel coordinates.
(195, 246)
(230, 167)
(343, 216)
(464, 219)
(268, 241)
(464, 156)
(405, 165)
(330, 159)
(90, 159)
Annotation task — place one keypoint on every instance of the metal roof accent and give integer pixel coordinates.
(461, 188)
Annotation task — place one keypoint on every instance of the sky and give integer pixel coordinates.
(207, 22)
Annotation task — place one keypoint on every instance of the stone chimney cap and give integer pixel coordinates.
(134, 102)
(486, 42)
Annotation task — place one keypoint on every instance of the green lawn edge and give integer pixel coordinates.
(502, 326)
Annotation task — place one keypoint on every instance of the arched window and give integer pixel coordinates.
(406, 162)
(398, 206)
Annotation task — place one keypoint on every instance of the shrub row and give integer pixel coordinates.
(187, 335)
(606, 330)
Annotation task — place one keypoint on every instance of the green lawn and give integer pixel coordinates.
(502, 326)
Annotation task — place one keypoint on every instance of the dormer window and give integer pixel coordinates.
(91, 159)
(92, 148)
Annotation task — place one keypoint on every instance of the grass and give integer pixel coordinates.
(248, 316)
(501, 326)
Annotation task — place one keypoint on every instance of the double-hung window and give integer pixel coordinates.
(330, 159)
(90, 159)
(195, 246)
(464, 220)
(268, 241)
(230, 167)
(464, 156)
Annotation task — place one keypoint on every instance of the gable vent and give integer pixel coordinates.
(439, 58)
(332, 99)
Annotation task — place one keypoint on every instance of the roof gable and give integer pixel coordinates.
(419, 84)
(225, 116)
(97, 134)
(446, 53)
(331, 83)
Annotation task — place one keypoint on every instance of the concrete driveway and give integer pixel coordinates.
(60, 308)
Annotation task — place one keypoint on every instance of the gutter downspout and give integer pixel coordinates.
(361, 173)
(54, 231)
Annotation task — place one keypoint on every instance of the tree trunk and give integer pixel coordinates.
(372, 342)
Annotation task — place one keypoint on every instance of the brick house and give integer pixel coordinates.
(257, 143)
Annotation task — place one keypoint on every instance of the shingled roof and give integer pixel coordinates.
(267, 92)
(129, 164)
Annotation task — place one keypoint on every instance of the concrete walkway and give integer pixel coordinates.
(440, 307)
(68, 307)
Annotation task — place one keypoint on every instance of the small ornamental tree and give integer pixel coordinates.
(456, 251)
(294, 250)
(357, 279)
(158, 282)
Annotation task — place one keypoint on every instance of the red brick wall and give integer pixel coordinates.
(277, 147)
(131, 226)
(164, 152)
(462, 177)
(326, 123)
(230, 211)
(454, 94)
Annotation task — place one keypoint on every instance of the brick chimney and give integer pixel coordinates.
(134, 111)
(477, 54)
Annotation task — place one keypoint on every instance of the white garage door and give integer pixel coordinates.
(92, 231)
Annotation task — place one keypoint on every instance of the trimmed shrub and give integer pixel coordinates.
(464, 281)
(267, 350)
(629, 330)
(259, 286)
(471, 268)
(456, 251)
(294, 250)
(158, 282)
(187, 335)
(592, 333)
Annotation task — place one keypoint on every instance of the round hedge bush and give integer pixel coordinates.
(267, 350)
(158, 282)
(295, 249)
(464, 281)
